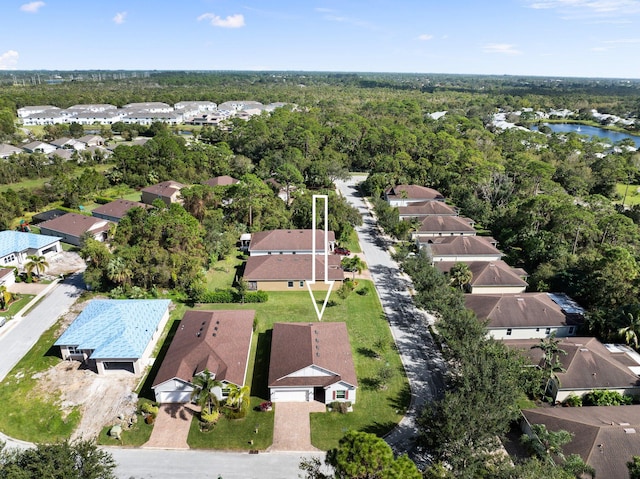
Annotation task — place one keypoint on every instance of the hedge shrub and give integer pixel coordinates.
(231, 296)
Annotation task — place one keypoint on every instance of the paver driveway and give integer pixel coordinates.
(292, 426)
(171, 428)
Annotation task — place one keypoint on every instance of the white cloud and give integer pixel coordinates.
(589, 7)
(599, 49)
(32, 7)
(232, 21)
(623, 40)
(8, 60)
(501, 48)
(119, 18)
(424, 37)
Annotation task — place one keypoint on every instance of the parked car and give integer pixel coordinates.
(341, 251)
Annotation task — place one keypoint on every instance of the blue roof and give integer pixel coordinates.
(115, 328)
(16, 241)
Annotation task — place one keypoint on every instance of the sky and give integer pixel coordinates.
(564, 38)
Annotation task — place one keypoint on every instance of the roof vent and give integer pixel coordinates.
(318, 354)
(203, 322)
(214, 335)
(584, 350)
(198, 334)
(215, 328)
(625, 424)
(629, 430)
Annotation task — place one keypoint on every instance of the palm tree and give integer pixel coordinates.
(6, 297)
(237, 396)
(39, 263)
(631, 332)
(551, 364)
(460, 275)
(118, 272)
(353, 264)
(203, 393)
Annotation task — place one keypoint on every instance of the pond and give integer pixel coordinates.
(612, 136)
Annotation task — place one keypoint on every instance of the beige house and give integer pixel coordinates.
(167, 191)
(72, 226)
(420, 209)
(491, 277)
(460, 248)
(289, 242)
(433, 226)
(290, 272)
(404, 195)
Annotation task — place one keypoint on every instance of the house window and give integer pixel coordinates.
(290, 284)
(547, 331)
(341, 394)
(225, 392)
(509, 332)
(302, 284)
(537, 330)
(9, 259)
(73, 350)
(253, 285)
(571, 330)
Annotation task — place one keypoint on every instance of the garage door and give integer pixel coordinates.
(165, 397)
(118, 366)
(290, 395)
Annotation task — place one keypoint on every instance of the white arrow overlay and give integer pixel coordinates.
(320, 312)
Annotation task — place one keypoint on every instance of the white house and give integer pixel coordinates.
(15, 246)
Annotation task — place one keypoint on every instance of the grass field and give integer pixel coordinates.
(17, 305)
(222, 274)
(632, 194)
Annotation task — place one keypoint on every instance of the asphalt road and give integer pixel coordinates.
(21, 336)
(421, 357)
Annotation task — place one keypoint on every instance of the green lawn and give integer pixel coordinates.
(222, 274)
(352, 244)
(136, 436)
(376, 410)
(28, 413)
(633, 194)
(17, 305)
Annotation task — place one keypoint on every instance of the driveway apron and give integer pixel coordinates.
(292, 426)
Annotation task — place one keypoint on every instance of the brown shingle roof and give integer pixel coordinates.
(588, 363)
(524, 310)
(215, 340)
(427, 208)
(295, 346)
(75, 225)
(290, 267)
(489, 273)
(5, 272)
(224, 180)
(446, 224)
(288, 240)
(413, 192)
(164, 189)
(462, 245)
(118, 208)
(601, 434)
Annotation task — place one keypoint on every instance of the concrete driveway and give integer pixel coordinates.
(171, 428)
(292, 426)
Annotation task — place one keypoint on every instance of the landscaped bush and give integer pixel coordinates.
(573, 401)
(231, 296)
(102, 200)
(602, 397)
(210, 418)
(266, 406)
(149, 408)
(341, 407)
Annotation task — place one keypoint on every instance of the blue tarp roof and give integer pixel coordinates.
(16, 241)
(115, 328)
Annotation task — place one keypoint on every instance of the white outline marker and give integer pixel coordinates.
(320, 313)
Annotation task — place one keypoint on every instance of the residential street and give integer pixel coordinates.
(421, 358)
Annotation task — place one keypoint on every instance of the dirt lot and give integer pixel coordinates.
(65, 262)
(102, 399)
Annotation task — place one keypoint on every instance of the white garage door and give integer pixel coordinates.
(290, 395)
(173, 397)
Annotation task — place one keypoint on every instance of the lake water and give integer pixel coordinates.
(612, 136)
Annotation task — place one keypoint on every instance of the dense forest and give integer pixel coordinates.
(552, 201)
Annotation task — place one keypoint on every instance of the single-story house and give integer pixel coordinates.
(116, 210)
(224, 180)
(460, 248)
(587, 365)
(15, 246)
(216, 341)
(491, 277)
(290, 242)
(7, 150)
(605, 437)
(7, 277)
(64, 154)
(115, 334)
(289, 271)
(167, 191)
(39, 146)
(421, 209)
(92, 140)
(523, 316)
(65, 142)
(46, 216)
(311, 362)
(404, 195)
(435, 226)
(72, 226)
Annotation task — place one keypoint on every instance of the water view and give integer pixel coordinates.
(612, 136)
